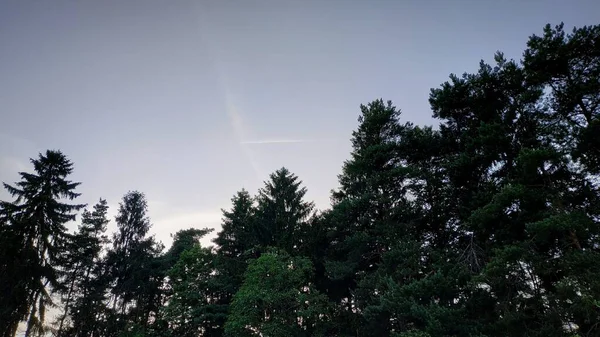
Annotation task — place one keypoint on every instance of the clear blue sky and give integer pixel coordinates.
(189, 101)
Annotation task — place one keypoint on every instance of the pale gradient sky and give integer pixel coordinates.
(189, 101)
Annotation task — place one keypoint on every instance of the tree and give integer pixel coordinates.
(367, 216)
(566, 237)
(35, 223)
(234, 243)
(194, 308)
(277, 298)
(487, 119)
(85, 294)
(281, 212)
(13, 289)
(486, 224)
(134, 266)
(183, 241)
(520, 188)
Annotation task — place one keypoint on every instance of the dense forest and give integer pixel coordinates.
(486, 224)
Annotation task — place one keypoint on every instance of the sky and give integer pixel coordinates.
(191, 101)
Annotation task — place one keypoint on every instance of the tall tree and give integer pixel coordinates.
(13, 273)
(522, 194)
(35, 221)
(234, 243)
(134, 266)
(487, 119)
(366, 214)
(567, 236)
(85, 283)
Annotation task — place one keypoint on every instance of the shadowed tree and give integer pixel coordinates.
(194, 308)
(234, 243)
(85, 288)
(35, 224)
(281, 212)
(183, 241)
(134, 266)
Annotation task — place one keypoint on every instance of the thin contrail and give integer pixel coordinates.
(287, 141)
(275, 141)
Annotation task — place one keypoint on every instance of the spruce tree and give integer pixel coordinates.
(234, 243)
(281, 212)
(134, 267)
(35, 223)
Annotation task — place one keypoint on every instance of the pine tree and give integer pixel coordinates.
(417, 283)
(366, 215)
(566, 236)
(487, 119)
(521, 193)
(86, 285)
(35, 223)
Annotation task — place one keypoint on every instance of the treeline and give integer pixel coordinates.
(487, 225)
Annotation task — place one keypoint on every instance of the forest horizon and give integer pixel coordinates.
(486, 224)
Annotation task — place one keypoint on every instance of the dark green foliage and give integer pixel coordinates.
(281, 212)
(277, 299)
(194, 308)
(369, 214)
(235, 242)
(80, 263)
(522, 194)
(35, 233)
(134, 266)
(13, 279)
(85, 294)
(182, 241)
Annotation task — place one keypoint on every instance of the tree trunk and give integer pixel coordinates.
(66, 309)
(32, 313)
